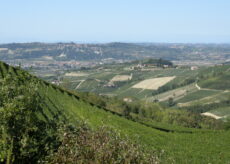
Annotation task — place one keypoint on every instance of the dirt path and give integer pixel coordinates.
(197, 86)
(79, 84)
(211, 115)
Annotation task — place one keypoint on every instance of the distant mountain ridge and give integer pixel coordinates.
(122, 51)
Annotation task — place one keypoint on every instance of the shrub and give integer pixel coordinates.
(83, 145)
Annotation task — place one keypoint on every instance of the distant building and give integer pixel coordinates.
(194, 68)
(110, 85)
(56, 82)
(127, 99)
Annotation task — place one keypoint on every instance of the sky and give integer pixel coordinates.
(99, 21)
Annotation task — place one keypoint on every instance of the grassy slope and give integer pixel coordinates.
(198, 95)
(219, 78)
(221, 83)
(183, 147)
(197, 147)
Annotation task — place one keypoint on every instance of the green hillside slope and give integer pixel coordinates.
(199, 146)
(217, 77)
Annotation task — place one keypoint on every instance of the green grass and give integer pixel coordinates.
(197, 95)
(217, 77)
(200, 146)
(216, 98)
(220, 83)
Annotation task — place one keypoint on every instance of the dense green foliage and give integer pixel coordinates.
(23, 136)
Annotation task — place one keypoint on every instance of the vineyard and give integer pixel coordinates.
(193, 146)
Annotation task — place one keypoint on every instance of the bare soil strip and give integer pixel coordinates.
(76, 74)
(211, 115)
(154, 83)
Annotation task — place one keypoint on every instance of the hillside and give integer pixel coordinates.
(188, 87)
(217, 77)
(212, 93)
(206, 53)
(197, 146)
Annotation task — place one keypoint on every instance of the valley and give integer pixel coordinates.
(181, 112)
(131, 81)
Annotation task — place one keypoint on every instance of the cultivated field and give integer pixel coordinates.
(209, 99)
(121, 78)
(176, 94)
(76, 74)
(198, 95)
(154, 83)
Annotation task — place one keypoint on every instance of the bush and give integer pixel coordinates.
(83, 145)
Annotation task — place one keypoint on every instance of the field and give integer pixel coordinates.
(176, 94)
(76, 74)
(154, 83)
(118, 80)
(198, 95)
(121, 78)
(218, 77)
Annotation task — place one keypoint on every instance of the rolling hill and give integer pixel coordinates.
(193, 146)
(119, 51)
(187, 87)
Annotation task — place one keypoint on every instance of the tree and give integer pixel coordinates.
(171, 102)
(126, 111)
(155, 100)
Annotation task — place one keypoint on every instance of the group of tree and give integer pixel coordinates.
(138, 110)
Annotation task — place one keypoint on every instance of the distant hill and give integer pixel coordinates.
(122, 51)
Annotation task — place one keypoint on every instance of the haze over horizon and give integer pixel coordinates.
(118, 21)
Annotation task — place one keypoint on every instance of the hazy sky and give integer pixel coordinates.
(115, 20)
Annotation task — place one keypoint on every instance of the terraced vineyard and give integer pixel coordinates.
(187, 88)
(192, 146)
(101, 79)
